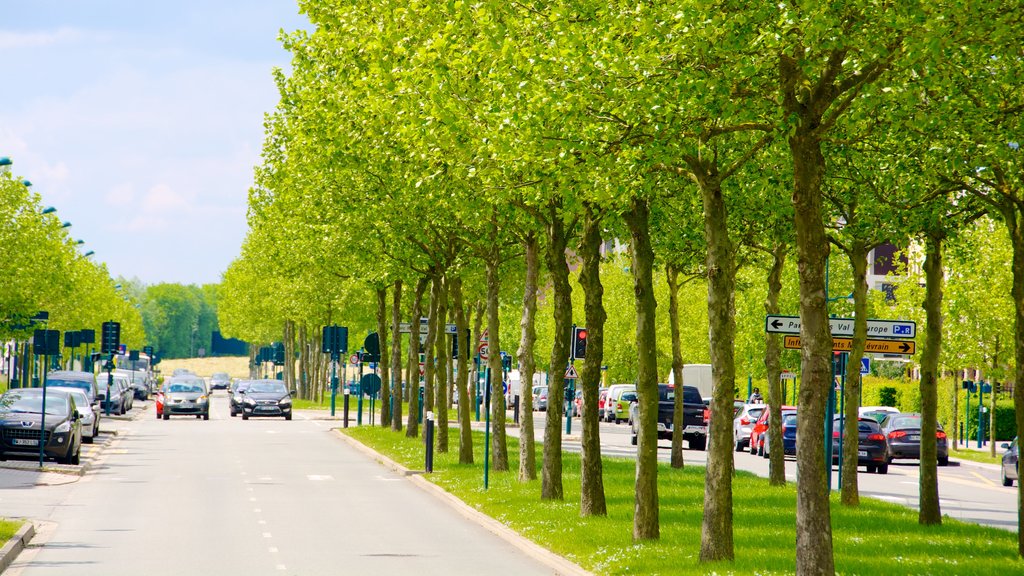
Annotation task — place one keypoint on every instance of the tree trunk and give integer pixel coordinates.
(645, 517)
(303, 361)
(462, 381)
(429, 362)
(929, 501)
(773, 368)
(858, 256)
(385, 361)
(499, 446)
(527, 341)
(551, 471)
(289, 354)
(412, 424)
(396, 358)
(716, 529)
(1014, 219)
(592, 500)
(813, 516)
(443, 355)
(672, 277)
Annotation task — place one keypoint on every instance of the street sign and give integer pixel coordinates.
(571, 374)
(787, 375)
(406, 327)
(369, 384)
(775, 324)
(907, 347)
(865, 366)
(484, 336)
(484, 350)
(353, 359)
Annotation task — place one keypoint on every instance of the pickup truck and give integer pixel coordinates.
(695, 416)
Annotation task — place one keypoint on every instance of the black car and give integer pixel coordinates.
(903, 438)
(266, 398)
(1008, 468)
(870, 444)
(235, 396)
(220, 381)
(21, 417)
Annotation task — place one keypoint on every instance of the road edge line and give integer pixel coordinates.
(17, 543)
(559, 564)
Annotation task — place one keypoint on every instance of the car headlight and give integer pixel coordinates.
(63, 427)
(285, 401)
(250, 401)
(202, 399)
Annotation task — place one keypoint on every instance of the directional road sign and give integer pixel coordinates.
(875, 346)
(406, 327)
(775, 324)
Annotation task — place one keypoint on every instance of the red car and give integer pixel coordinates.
(159, 402)
(759, 433)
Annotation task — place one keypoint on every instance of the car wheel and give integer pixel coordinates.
(206, 416)
(88, 439)
(288, 416)
(870, 468)
(76, 458)
(167, 416)
(701, 444)
(765, 454)
(245, 416)
(882, 469)
(888, 460)
(752, 447)
(944, 461)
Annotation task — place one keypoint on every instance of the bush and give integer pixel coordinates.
(887, 396)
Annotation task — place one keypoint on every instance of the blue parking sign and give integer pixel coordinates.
(865, 366)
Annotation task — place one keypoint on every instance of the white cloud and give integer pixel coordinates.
(14, 40)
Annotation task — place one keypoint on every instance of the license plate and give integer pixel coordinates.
(863, 453)
(25, 442)
(914, 438)
(699, 429)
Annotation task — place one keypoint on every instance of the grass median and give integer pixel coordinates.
(978, 456)
(875, 538)
(8, 528)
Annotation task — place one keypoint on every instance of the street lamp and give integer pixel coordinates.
(87, 254)
(5, 164)
(79, 242)
(65, 224)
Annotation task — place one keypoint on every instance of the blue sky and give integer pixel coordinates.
(141, 122)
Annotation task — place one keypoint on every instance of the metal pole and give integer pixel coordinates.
(345, 407)
(967, 420)
(487, 427)
(42, 419)
(830, 410)
(359, 399)
(428, 436)
(981, 407)
(570, 394)
(842, 412)
(476, 384)
(334, 383)
(110, 382)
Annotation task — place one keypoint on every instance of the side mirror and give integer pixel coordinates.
(293, 393)
(1004, 446)
(241, 391)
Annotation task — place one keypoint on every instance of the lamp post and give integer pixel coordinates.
(5, 164)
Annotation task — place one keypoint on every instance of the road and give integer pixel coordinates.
(227, 496)
(967, 490)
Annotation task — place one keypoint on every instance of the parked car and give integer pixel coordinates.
(90, 418)
(23, 426)
(870, 444)
(235, 396)
(759, 432)
(220, 381)
(85, 381)
(613, 412)
(903, 438)
(113, 390)
(266, 398)
(876, 413)
(695, 416)
(186, 395)
(788, 427)
(1008, 468)
(743, 423)
(138, 382)
(620, 408)
(540, 398)
(577, 404)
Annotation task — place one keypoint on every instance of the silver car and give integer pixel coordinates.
(186, 395)
(743, 424)
(90, 418)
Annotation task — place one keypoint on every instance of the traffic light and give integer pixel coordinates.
(579, 342)
(148, 351)
(111, 338)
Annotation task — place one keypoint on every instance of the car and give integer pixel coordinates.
(540, 398)
(235, 396)
(115, 387)
(877, 413)
(220, 381)
(743, 423)
(90, 418)
(903, 438)
(186, 395)
(182, 372)
(620, 408)
(759, 432)
(267, 398)
(577, 404)
(789, 421)
(611, 405)
(871, 444)
(23, 425)
(1008, 467)
(85, 381)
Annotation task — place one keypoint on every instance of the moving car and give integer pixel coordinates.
(759, 432)
(186, 395)
(85, 381)
(266, 398)
(788, 437)
(695, 416)
(235, 396)
(743, 423)
(21, 417)
(870, 444)
(1008, 467)
(903, 438)
(220, 381)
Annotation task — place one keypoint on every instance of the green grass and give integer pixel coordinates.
(978, 456)
(876, 538)
(8, 528)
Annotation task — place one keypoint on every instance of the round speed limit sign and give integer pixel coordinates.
(484, 351)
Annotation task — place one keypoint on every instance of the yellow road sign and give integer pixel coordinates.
(875, 346)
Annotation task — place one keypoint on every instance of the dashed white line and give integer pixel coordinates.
(267, 535)
(272, 549)
(281, 567)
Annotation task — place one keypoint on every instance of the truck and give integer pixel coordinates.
(698, 376)
(695, 416)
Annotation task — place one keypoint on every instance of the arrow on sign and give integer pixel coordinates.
(571, 374)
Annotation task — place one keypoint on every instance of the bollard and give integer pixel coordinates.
(515, 409)
(428, 436)
(345, 407)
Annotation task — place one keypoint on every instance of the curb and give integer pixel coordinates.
(558, 564)
(14, 546)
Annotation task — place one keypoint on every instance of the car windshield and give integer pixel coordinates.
(184, 387)
(268, 387)
(666, 393)
(80, 400)
(755, 412)
(65, 383)
(628, 397)
(242, 386)
(906, 422)
(19, 403)
(789, 419)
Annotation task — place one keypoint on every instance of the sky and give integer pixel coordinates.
(142, 121)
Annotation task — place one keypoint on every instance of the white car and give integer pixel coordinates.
(876, 413)
(90, 418)
(743, 424)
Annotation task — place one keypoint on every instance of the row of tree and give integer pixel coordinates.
(41, 269)
(443, 146)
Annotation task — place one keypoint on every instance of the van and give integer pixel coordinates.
(698, 376)
(615, 392)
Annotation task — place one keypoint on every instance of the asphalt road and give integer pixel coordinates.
(227, 496)
(967, 490)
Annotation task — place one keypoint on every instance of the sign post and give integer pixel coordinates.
(111, 343)
(335, 343)
(570, 383)
(45, 343)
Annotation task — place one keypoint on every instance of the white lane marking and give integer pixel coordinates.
(383, 479)
(281, 567)
(257, 510)
(265, 478)
(261, 522)
(319, 477)
(271, 431)
(272, 549)
(267, 535)
(252, 499)
(318, 424)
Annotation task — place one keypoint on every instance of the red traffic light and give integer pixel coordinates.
(581, 334)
